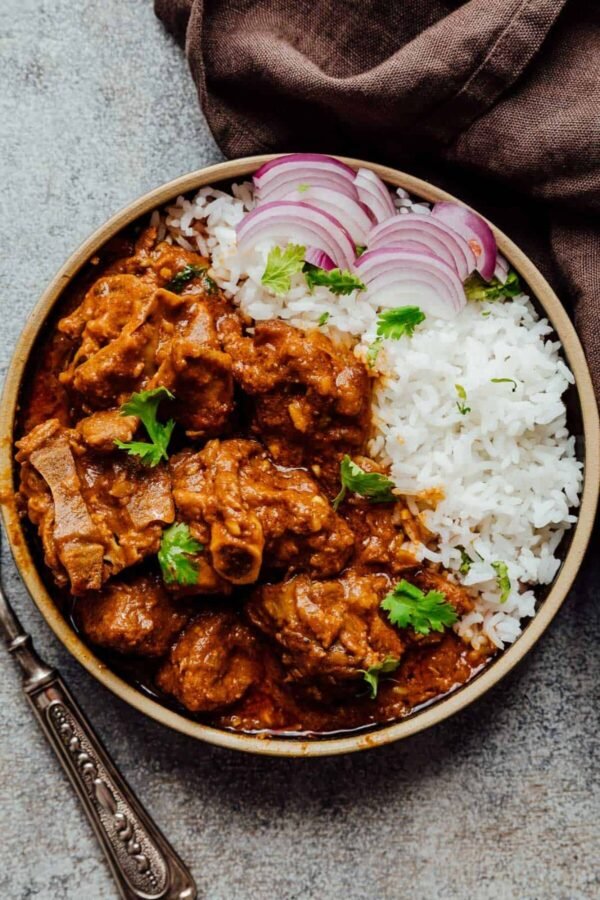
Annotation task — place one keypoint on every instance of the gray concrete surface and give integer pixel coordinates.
(501, 802)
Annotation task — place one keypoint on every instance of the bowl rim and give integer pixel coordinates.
(292, 747)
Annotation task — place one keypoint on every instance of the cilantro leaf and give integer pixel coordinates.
(376, 487)
(359, 249)
(179, 281)
(144, 405)
(323, 318)
(373, 352)
(477, 289)
(505, 381)
(176, 546)
(149, 454)
(407, 605)
(462, 394)
(339, 281)
(371, 676)
(395, 323)
(502, 579)
(281, 265)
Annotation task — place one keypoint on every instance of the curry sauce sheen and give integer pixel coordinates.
(270, 615)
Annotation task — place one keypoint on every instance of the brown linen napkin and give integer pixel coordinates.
(498, 101)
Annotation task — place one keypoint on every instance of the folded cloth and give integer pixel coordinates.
(498, 101)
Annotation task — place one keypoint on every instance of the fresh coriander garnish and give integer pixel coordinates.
(395, 323)
(179, 281)
(360, 249)
(144, 405)
(323, 318)
(505, 381)
(462, 396)
(377, 488)
(465, 562)
(176, 546)
(373, 352)
(486, 313)
(371, 676)
(477, 289)
(281, 265)
(407, 605)
(501, 570)
(339, 281)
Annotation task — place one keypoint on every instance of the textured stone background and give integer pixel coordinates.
(96, 107)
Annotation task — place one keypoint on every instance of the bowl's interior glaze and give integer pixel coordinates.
(583, 422)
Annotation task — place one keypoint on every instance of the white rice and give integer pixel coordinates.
(507, 468)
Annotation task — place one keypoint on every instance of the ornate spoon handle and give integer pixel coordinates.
(143, 863)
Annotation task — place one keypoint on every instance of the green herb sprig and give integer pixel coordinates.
(176, 547)
(281, 266)
(338, 281)
(462, 396)
(375, 487)
(372, 675)
(395, 323)
(479, 290)
(145, 405)
(407, 605)
(502, 579)
(187, 274)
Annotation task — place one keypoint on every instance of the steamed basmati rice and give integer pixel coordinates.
(506, 470)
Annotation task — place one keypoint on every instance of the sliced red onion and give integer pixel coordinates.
(442, 240)
(286, 173)
(289, 182)
(284, 221)
(318, 258)
(418, 247)
(475, 230)
(374, 194)
(345, 209)
(501, 270)
(298, 160)
(395, 277)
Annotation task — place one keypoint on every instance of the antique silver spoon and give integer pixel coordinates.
(143, 863)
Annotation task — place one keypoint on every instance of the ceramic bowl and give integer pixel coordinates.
(583, 414)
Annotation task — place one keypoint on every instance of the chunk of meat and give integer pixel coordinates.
(96, 513)
(50, 483)
(327, 631)
(100, 430)
(129, 335)
(213, 663)
(427, 672)
(157, 262)
(429, 580)
(198, 372)
(249, 512)
(380, 536)
(382, 529)
(311, 397)
(134, 615)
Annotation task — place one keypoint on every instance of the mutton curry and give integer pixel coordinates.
(181, 466)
